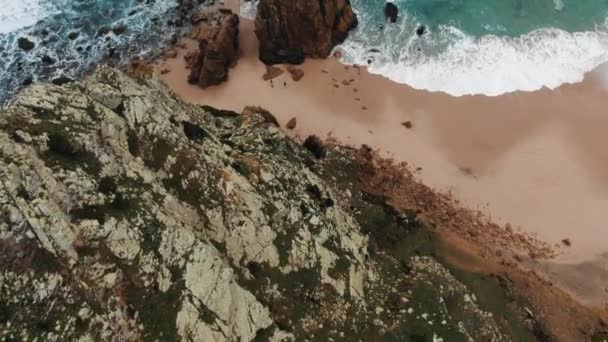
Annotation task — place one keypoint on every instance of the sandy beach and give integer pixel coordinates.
(535, 161)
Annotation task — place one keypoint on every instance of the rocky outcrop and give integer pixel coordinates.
(290, 30)
(129, 215)
(218, 50)
(391, 12)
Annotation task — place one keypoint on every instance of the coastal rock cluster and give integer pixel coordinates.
(218, 50)
(290, 30)
(127, 214)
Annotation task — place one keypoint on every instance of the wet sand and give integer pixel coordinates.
(536, 161)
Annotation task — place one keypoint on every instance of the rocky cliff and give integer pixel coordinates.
(289, 30)
(128, 215)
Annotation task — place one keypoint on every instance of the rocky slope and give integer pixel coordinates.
(127, 214)
(289, 30)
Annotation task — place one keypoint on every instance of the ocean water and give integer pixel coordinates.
(486, 47)
(48, 23)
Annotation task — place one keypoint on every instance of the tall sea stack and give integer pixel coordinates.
(290, 30)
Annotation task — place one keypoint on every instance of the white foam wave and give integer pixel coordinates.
(22, 13)
(490, 65)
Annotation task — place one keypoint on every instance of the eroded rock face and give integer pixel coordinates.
(290, 30)
(129, 215)
(218, 50)
(141, 217)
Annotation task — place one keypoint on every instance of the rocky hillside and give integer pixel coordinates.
(128, 215)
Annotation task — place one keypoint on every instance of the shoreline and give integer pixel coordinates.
(532, 160)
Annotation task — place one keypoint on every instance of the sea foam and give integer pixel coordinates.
(489, 65)
(23, 13)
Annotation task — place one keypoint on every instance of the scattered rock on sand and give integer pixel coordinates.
(391, 11)
(296, 73)
(291, 124)
(315, 146)
(272, 72)
(25, 44)
(407, 124)
(567, 242)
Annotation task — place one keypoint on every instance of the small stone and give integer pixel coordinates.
(291, 124)
(272, 72)
(407, 124)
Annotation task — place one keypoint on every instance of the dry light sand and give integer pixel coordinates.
(538, 161)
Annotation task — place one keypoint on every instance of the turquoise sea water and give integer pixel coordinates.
(470, 46)
(481, 46)
(48, 23)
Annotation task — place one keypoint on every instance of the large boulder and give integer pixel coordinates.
(289, 30)
(218, 50)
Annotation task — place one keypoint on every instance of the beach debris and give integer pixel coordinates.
(407, 124)
(291, 124)
(315, 146)
(324, 71)
(567, 242)
(272, 72)
(25, 44)
(364, 107)
(296, 73)
(391, 12)
(420, 30)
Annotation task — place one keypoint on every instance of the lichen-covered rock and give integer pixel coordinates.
(127, 214)
(289, 30)
(140, 216)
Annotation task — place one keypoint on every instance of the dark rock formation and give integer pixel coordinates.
(25, 44)
(391, 12)
(289, 30)
(218, 50)
(420, 30)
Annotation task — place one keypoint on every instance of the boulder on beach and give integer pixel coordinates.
(272, 73)
(291, 124)
(289, 30)
(296, 73)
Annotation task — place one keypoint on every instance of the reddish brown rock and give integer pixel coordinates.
(218, 50)
(296, 73)
(291, 124)
(289, 30)
(272, 72)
